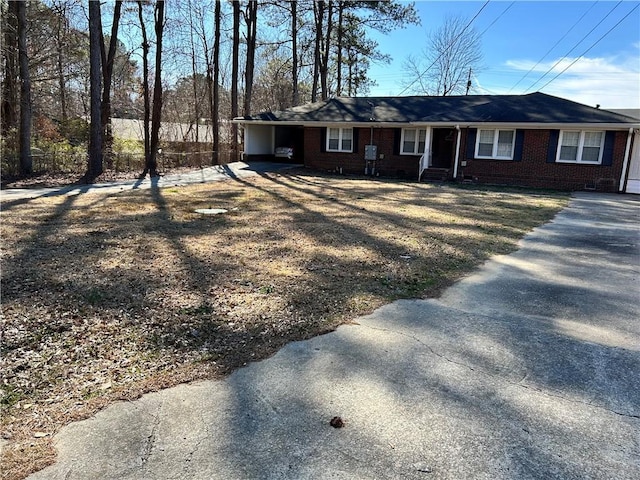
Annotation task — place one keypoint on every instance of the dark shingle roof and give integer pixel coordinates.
(531, 108)
(629, 112)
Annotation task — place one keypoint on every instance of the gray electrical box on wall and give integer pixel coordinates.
(370, 152)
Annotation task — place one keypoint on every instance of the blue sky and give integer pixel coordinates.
(608, 74)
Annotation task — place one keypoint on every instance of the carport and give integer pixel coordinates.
(261, 140)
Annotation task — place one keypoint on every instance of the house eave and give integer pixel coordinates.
(555, 125)
(451, 124)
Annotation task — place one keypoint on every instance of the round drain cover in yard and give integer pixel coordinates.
(210, 211)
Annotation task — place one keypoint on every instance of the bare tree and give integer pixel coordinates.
(145, 86)
(58, 60)
(452, 51)
(156, 116)
(318, 16)
(251, 22)
(215, 107)
(295, 97)
(62, 25)
(95, 142)
(10, 66)
(324, 62)
(235, 58)
(339, 40)
(26, 165)
(194, 70)
(152, 138)
(108, 57)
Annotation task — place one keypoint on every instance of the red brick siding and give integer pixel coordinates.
(391, 165)
(534, 171)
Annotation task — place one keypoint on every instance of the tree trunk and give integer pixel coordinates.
(194, 72)
(234, 78)
(318, 14)
(107, 73)
(95, 89)
(295, 97)
(10, 84)
(62, 83)
(324, 63)
(156, 117)
(352, 61)
(145, 87)
(215, 118)
(341, 7)
(26, 165)
(251, 20)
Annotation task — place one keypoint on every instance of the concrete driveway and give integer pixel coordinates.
(528, 369)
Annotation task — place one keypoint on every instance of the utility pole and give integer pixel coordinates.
(468, 82)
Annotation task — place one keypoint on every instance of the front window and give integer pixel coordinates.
(495, 144)
(347, 137)
(413, 141)
(339, 139)
(580, 147)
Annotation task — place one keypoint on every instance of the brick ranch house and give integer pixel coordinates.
(534, 140)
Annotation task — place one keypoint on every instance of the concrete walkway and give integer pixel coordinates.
(204, 175)
(528, 369)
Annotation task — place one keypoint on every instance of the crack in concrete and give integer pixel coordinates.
(198, 443)
(428, 347)
(147, 448)
(502, 378)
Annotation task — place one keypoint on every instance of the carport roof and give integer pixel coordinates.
(535, 108)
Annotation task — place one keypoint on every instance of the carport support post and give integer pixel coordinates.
(455, 161)
(625, 165)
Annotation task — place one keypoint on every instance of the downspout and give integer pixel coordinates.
(625, 164)
(455, 162)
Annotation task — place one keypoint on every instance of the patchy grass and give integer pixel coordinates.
(108, 297)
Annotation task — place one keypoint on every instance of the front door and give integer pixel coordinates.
(442, 141)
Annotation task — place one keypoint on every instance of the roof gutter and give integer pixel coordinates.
(379, 124)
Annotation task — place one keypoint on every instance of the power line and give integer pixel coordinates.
(449, 47)
(497, 18)
(554, 46)
(483, 32)
(575, 46)
(593, 45)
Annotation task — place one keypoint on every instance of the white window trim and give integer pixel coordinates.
(580, 147)
(415, 147)
(340, 132)
(494, 150)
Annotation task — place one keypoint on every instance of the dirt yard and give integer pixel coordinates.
(106, 297)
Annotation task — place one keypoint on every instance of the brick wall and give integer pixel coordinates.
(533, 170)
(390, 165)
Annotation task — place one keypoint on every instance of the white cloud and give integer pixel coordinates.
(611, 82)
